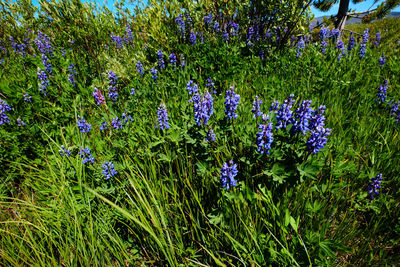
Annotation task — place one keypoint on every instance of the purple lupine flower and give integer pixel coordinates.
(285, 113)
(192, 37)
(352, 43)
(139, 68)
(264, 138)
(109, 170)
(112, 88)
(210, 85)
(116, 124)
(203, 107)
(44, 81)
(162, 116)
(363, 46)
(154, 74)
(318, 119)
(181, 25)
(250, 36)
(395, 111)
(382, 92)
(172, 60)
(182, 61)
(335, 33)
(192, 87)
(216, 27)
(72, 73)
(129, 34)
(117, 40)
(133, 91)
(27, 98)
(86, 156)
(98, 97)
(323, 34)
(161, 64)
(83, 126)
(63, 53)
(377, 39)
(103, 126)
(231, 103)
(342, 49)
(256, 107)
(228, 174)
(126, 118)
(382, 61)
(47, 64)
(208, 20)
(4, 108)
(303, 115)
(43, 43)
(374, 185)
(20, 122)
(274, 106)
(318, 139)
(300, 46)
(211, 136)
(64, 151)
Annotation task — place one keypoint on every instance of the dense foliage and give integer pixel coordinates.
(183, 135)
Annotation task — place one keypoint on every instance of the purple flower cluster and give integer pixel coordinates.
(172, 60)
(117, 41)
(284, 114)
(44, 81)
(382, 92)
(192, 88)
(43, 44)
(363, 46)
(318, 139)
(162, 116)
(112, 86)
(256, 107)
(109, 170)
(64, 151)
(342, 49)
(72, 73)
(375, 185)
(83, 126)
(231, 103)
(324, 34)
(139, 68)
(181, 25)
(103, 126)
(86, 156)
(382, 61)
(192, 37)
(154, 74)
(129, 34)
(228, 174)
(4, 108)
(395, 111)
(116, 123)
(211, 136)
(98, 97)
(208, 20)
(161, 63)
(203, 107)
(264, 138)
(210, 84)
(300, 46)
(377, 39)
(303, 115)
(352, 43)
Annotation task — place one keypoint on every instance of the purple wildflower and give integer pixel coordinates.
(318, 139)
(72, 73)
(228, 174)
(154, 74)
(64, 151)
(256, 107)
(300, 46)
(172, 60)
(116, 124)
(109, 170)
(139, 68)
(377, 39)
(285, 113)
(44, 82)
(103, 126)
(363, 46)
(162, 116)
(161, 64)
(86, 156)
(192, 37)
(382, 92)
(231, 103)
(303, 115)
(98, 97)
(211, 136)
(20, 122)
(375, 185)
(83, 126)
(264, 138)
(27, 98)
(382, 61)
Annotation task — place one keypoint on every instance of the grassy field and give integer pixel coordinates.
(93, 175)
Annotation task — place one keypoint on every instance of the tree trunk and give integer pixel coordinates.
(342, 14)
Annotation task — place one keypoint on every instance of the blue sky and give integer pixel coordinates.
(363, 6)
